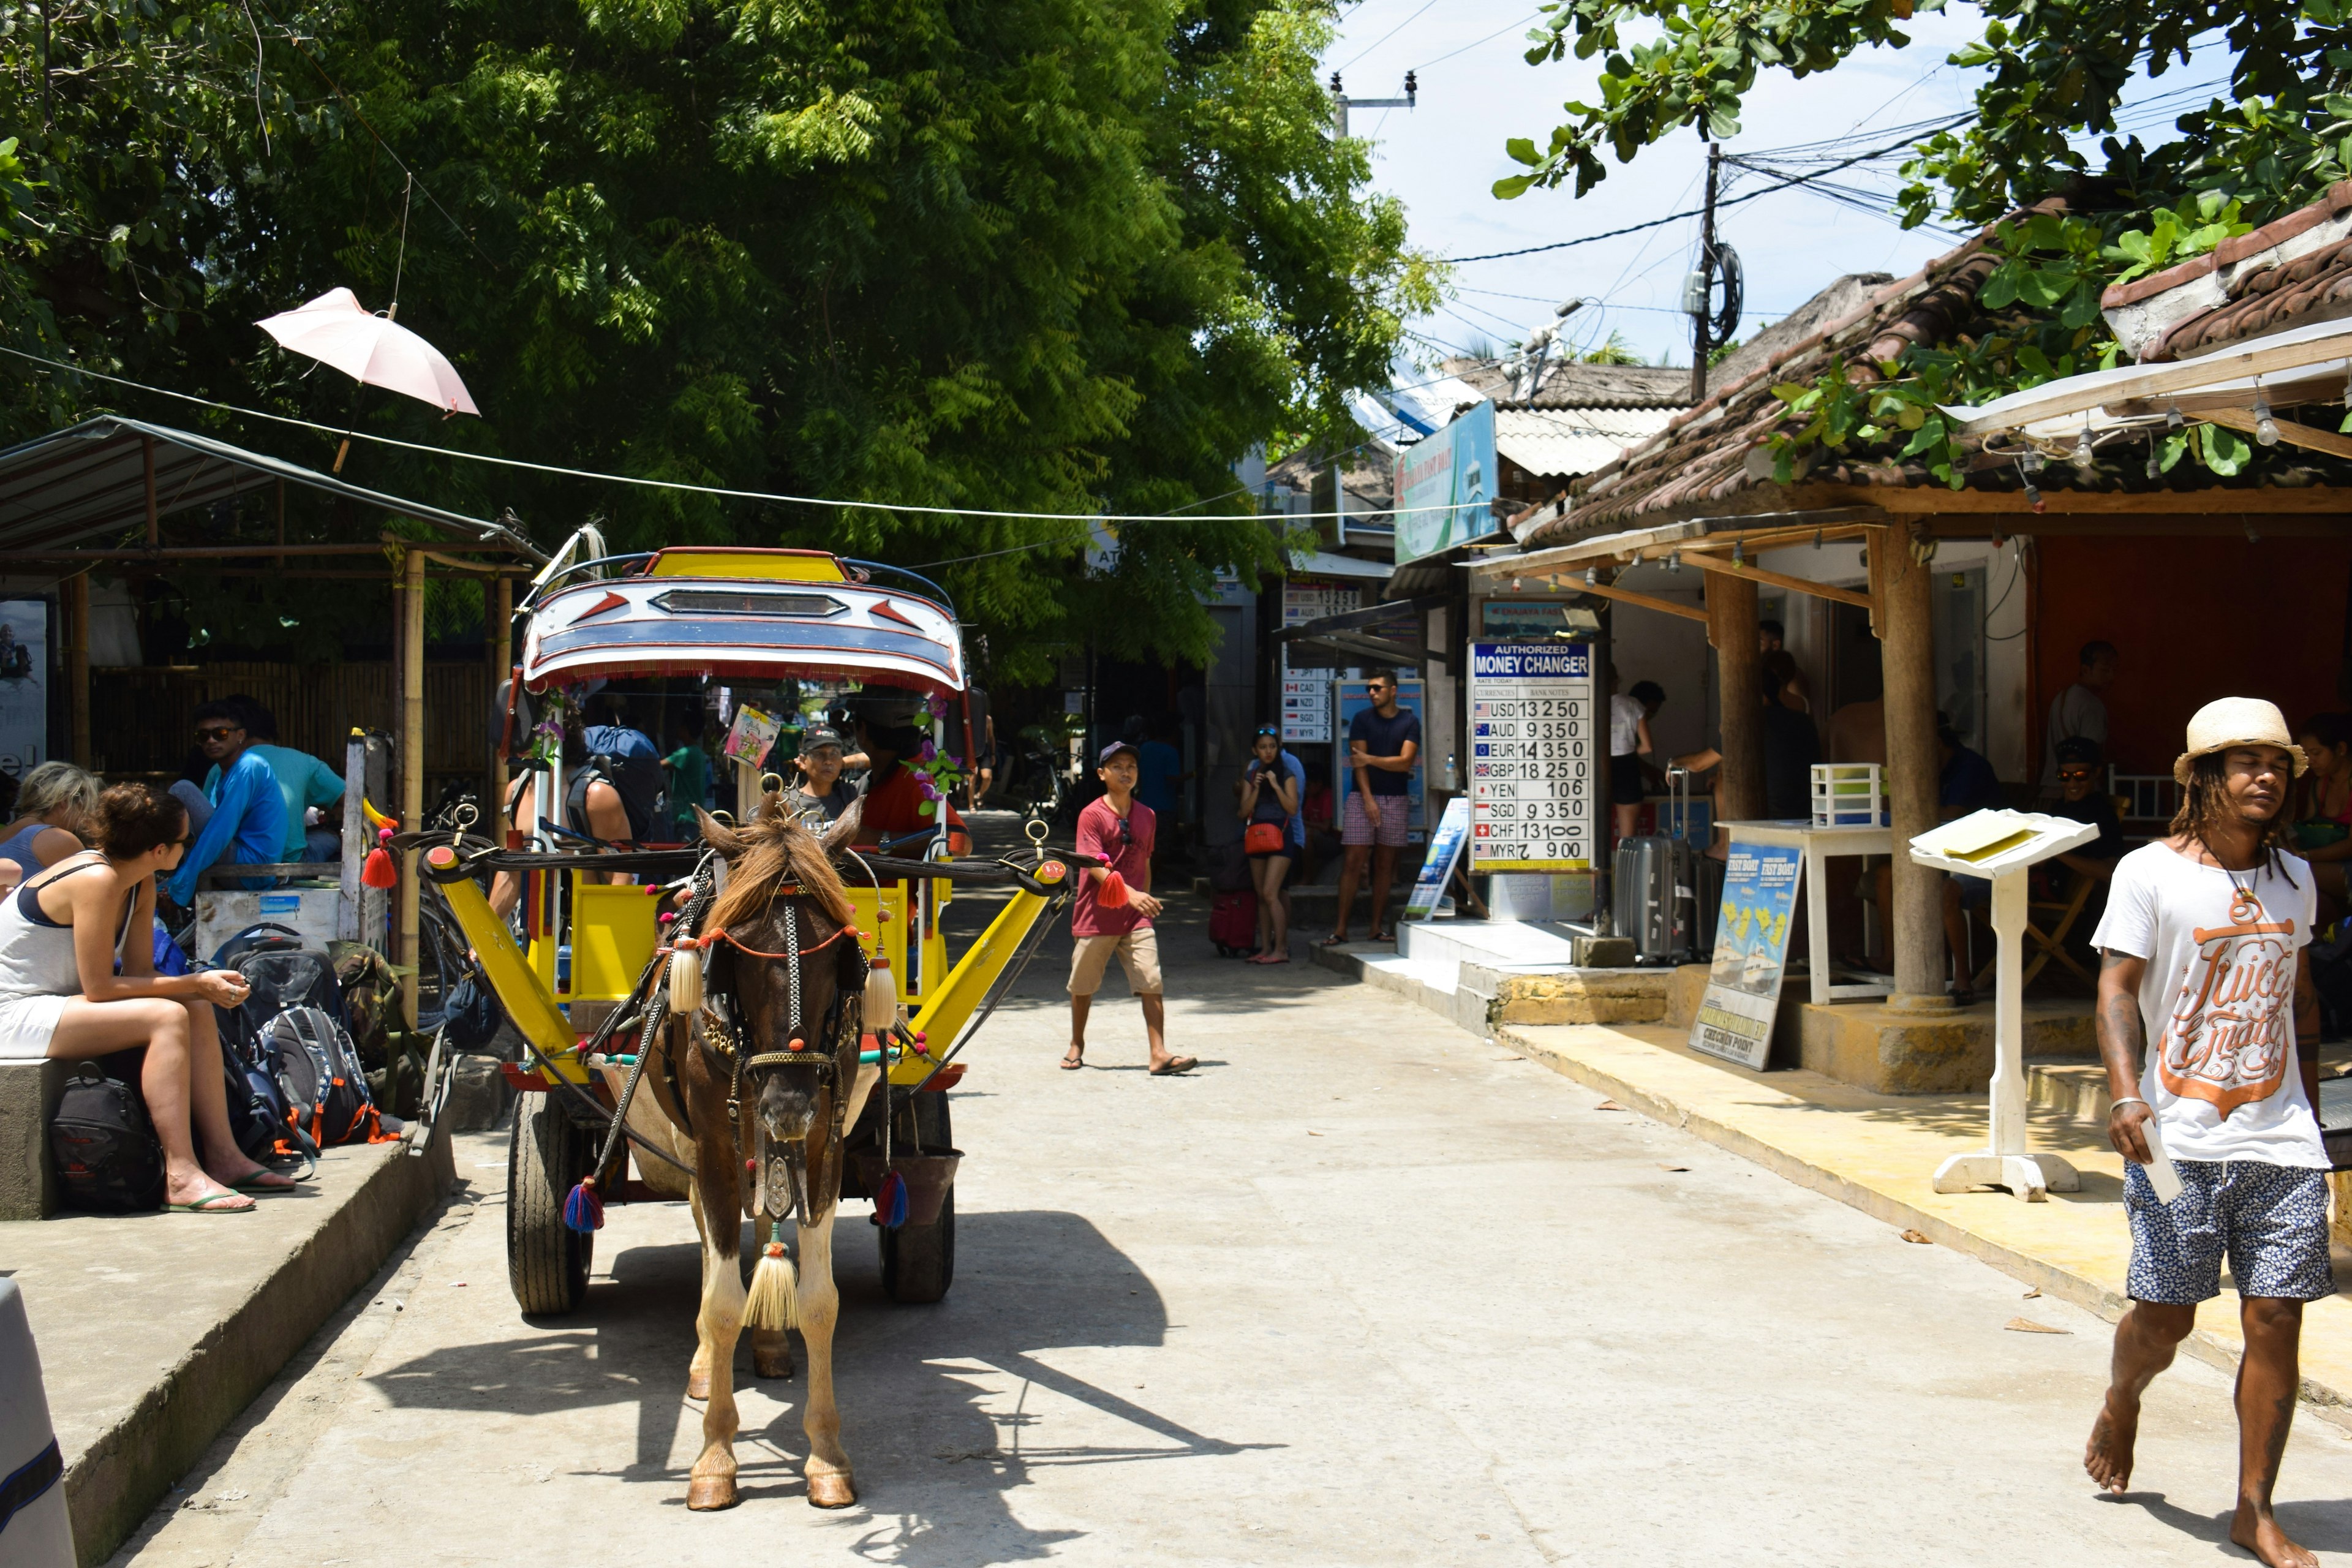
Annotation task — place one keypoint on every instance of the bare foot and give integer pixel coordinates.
(2259, 1534)
(2108, 1454)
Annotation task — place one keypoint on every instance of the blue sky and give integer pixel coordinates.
(1441, 157)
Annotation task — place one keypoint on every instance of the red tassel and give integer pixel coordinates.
(1111, 892)
(379, 871)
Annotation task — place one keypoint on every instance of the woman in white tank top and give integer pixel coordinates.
(60, 996)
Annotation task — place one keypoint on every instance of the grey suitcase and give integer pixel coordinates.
(1653, 893)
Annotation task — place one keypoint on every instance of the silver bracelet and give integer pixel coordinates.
(2131, 1100)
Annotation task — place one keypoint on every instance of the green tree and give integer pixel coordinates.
(1056, 256)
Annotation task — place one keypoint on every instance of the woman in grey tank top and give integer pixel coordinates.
(60, 996)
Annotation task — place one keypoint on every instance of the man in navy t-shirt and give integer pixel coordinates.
(1382, 742)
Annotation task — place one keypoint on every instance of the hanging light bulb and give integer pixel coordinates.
(2082, 455)
(1739, 554)
(1592, 577)
(2155, 467)
(2265, 428)
(1817, 539)
(2172, 419)
(1673, 560)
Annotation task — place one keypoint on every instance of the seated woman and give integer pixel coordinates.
(1267, 798)
(52, 814)
(2322, 818)
(61, 934)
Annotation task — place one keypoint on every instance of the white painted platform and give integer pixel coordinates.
(1512, 945)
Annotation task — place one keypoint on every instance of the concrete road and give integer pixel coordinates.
(1365, 1289)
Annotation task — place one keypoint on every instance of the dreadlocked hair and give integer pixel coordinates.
(2205, 807)
(776, 848)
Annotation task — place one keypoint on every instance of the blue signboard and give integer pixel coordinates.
(1443, 485)
(1444, 848)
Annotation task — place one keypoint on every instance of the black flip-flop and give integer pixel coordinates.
(1071, 1063)
(1175, 1065)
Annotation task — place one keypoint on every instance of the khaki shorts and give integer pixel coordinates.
(1139, 954)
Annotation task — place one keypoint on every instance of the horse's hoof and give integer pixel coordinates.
(831, 1490)
(779, 1365)
(697, 1385)
(705, 1494)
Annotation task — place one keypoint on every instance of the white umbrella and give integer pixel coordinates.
(334, 329)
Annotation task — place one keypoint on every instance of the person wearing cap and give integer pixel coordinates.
(892, 726)
(2203, 967)
(820, 794)
(1111, 916)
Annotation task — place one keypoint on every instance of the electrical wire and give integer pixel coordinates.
(563, 473)
(1487, 39)
(1385, 37)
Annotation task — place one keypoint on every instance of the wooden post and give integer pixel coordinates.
(412, 761)
(1906, 631)
(1731, 627)
(147, 464)
(78, 667)
(498, 612)
(282, 521)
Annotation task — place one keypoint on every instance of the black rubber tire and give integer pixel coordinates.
(919, 1260)
(547, 1262)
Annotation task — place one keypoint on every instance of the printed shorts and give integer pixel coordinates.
(1139, 954)
(2269, 1221)
(1394, 829)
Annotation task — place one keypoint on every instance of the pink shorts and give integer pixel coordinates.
(1392, 832)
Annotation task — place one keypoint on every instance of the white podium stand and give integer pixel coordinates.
(2001, 846)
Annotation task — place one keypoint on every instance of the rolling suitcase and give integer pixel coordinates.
(1655, 882)
(1232, 922)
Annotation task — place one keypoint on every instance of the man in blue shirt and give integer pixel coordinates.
(246, 822)
(304, 781)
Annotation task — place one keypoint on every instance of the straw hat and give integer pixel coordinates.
(2229, 721)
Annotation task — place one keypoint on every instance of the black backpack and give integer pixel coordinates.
(282, 974)
(319, 1075)
(107, 1157)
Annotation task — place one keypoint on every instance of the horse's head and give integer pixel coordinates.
(792, 967)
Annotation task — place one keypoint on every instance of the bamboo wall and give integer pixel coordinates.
(142, 719)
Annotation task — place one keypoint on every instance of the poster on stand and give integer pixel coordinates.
(1751, 952)
(1535, 801)
(24, 685)
(1437, 866)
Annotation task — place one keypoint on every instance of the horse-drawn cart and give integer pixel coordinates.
(600, 958)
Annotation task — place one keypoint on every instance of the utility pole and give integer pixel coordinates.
(1698, 298)
(1341, 103)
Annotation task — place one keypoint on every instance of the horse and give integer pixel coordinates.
(771, 1057)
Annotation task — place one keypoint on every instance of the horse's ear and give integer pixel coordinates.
(719, 836)
(844, 831)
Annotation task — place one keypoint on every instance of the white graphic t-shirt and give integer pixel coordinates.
(2218, 1002)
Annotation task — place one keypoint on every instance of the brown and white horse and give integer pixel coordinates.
(793, 1075)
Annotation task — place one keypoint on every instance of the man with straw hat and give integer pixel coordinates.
(2202, 963)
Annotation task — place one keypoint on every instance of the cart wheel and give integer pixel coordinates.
(547, 1263)
(919, 1260)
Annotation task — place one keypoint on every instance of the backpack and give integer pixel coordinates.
(324, 1087)
(282, 974)
(107, 1157)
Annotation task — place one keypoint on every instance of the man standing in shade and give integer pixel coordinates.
(2079, 713)
(1383, 742)
(2203, 968)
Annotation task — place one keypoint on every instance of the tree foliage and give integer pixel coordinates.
(1051, 256)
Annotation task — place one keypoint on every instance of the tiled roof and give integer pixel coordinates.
(2290, 272)
(1707, 454)
(1579, 386)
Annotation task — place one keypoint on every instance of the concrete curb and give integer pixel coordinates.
(2052, 1280)
(123, 1470)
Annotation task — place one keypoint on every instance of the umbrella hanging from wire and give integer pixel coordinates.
(335, 328)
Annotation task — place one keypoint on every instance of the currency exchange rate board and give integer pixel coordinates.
(1534, 757)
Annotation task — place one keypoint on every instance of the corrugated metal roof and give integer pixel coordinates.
(88, 482)
(1568, 441)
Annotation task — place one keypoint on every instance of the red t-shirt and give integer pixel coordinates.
(1098, 827)
(894, 808)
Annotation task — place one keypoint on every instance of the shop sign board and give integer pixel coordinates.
(24, 685)
(1443, 483)
(1751, 952)
(1535, 804)
(1353, 697)
(1437, 866)
(1307, 710)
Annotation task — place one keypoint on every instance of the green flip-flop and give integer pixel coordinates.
(211, 1204)
(254, 1183)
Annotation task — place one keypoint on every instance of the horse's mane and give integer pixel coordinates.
(776, 848)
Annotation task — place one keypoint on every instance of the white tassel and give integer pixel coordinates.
(775, 1291)
(684, 978)
(881, 1007)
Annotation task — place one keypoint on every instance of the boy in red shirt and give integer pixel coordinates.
(1119, 828)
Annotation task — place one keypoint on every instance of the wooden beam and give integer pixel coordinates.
(1934, 500)
(2242, 420)
(1907, 628)
(497, 623)
(1707, 561)
(2157, 381)
(147, 468)
(192, 552)
(1740, 664)
(1624, 596)
(77, 590)
(281, 522)
(2213, 525)
(412, 764)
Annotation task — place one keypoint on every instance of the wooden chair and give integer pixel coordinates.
(2047, 922)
